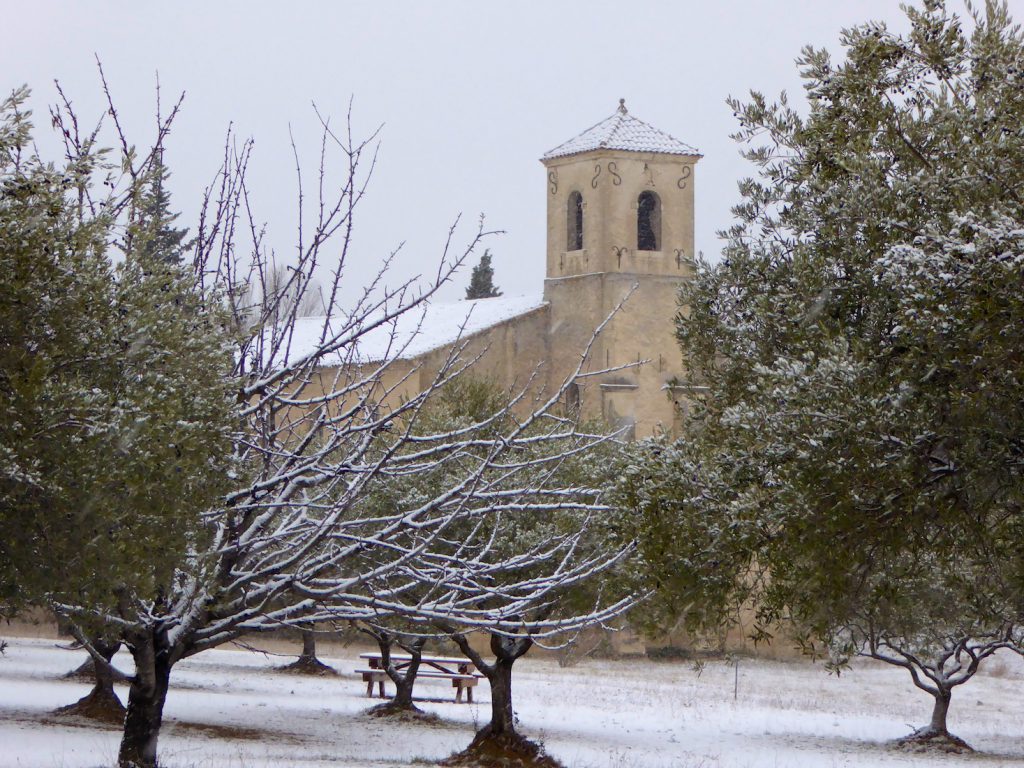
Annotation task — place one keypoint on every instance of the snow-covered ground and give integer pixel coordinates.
(230, 709)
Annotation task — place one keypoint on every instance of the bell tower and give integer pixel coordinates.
(620, 199)
(620, 223)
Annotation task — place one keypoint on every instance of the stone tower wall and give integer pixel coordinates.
(585, 286)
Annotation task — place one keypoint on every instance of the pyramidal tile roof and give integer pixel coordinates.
(624, 132)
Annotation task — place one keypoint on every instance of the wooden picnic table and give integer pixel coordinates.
(459, 670)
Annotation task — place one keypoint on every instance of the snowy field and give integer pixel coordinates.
(231, 709)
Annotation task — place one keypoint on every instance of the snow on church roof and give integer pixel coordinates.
(625, 132)
(415, 332)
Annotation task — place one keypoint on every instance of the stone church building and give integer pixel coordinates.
(619, 224)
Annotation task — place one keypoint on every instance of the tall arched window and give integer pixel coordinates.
(574, 218)
(648, 222)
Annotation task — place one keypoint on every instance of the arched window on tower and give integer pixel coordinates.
(648, 222)
(574, 216)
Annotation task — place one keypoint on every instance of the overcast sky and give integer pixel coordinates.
(470, 95)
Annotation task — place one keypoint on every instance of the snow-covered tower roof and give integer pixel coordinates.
(622, 131)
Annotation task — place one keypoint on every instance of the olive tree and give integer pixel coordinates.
(854, 473)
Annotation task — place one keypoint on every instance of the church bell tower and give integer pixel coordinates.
(620, 223)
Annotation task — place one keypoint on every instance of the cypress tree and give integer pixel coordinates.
(481, 282)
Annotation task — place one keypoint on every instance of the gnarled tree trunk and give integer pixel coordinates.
(506, 650)
(498, 743)
(101, 703)
(146, 698)
(936, 734)
(502, 714)
(308, 663)
(86, 671)
(940, 711)
(404, 680)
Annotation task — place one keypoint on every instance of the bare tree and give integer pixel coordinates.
(523, 557)
(319, 426)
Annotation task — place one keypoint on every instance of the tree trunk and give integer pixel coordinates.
(101, 703)
(403, 693)
(87, 669)
(499, 674)
(308, 645)
(308, 663)
(104, 676)
(502, 716)
(146, 699)
(939, 712)
(405, 680)
(936, 734)
(497, 743)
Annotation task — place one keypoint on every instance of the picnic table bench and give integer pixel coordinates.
(460, 671)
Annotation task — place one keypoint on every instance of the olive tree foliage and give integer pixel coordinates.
(117, 419)
(277, 531)
(854, 474)
(53, 266)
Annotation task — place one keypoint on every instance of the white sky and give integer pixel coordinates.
(471, 94)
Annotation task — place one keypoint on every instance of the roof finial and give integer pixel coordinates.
(622, 106)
